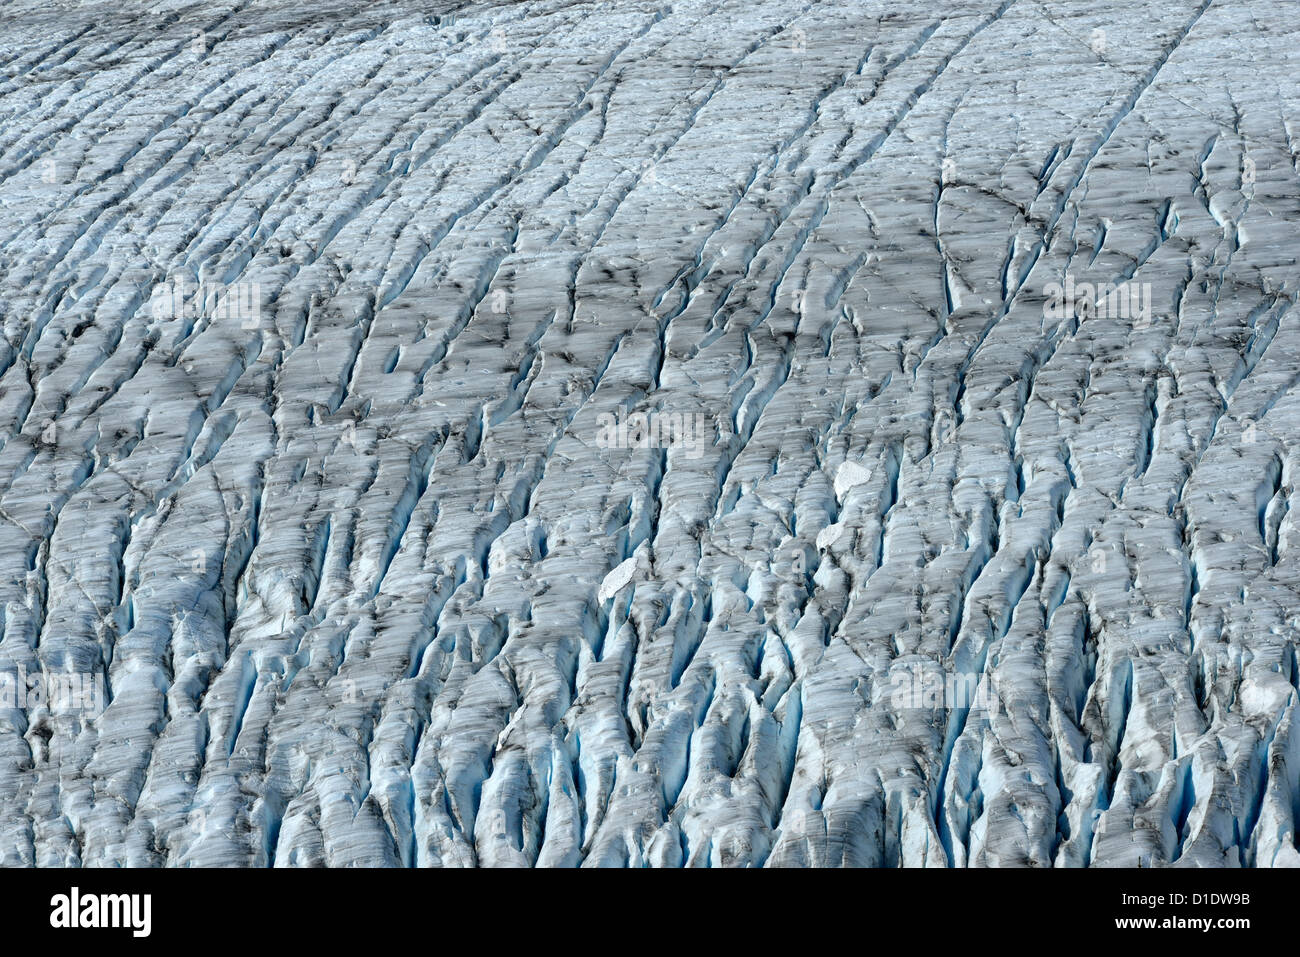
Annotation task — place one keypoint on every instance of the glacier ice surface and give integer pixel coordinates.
(311, 317)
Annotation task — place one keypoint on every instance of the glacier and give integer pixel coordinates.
(945, 521)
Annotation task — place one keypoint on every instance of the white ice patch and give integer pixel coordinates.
(850, 475)
(829, 535)
(617, 580)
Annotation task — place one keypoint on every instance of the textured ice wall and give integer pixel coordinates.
(371, 562)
